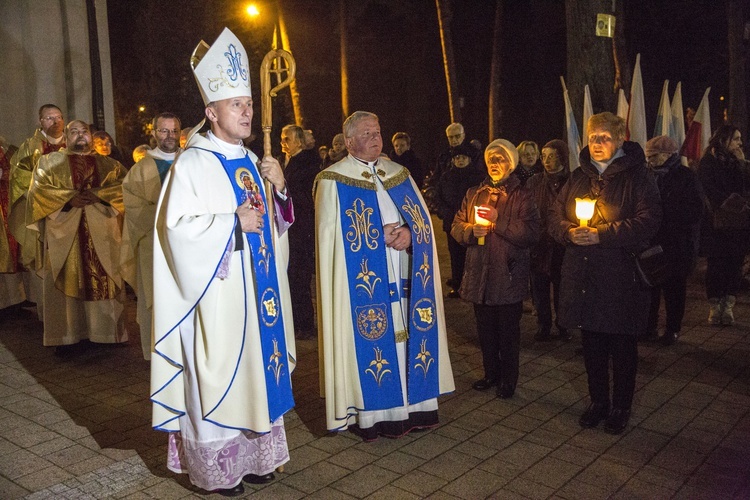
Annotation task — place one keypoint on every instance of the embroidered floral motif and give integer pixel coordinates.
(379, 363)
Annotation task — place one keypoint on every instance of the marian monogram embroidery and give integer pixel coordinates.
(420, 226)
(362, 230)
(230, 75)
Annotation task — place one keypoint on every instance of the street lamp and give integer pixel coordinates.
(252, 10)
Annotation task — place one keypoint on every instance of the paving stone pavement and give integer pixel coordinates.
(80, 428)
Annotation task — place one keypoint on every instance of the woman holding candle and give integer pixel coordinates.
(601, 292)
(497, 223)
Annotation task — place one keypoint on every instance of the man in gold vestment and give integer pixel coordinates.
(48, 138)
(78, 195)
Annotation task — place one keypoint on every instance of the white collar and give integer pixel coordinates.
(232, 151)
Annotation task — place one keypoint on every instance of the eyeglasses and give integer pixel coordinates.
(166, 131)
(53, 118)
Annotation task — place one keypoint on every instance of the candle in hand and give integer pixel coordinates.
(585, 210)
(478, 219)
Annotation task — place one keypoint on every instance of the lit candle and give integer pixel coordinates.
(585, 210)
(482, 222)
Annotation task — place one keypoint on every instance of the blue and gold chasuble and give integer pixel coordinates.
(246, 183)
(371, 295)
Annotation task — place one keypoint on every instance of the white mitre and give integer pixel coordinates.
(221, 70)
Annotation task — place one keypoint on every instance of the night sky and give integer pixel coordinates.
(395, 62)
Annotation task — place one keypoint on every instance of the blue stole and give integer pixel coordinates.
(162, 166)
(371, 296)
(246, 182)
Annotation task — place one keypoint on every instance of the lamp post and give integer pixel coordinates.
(585, 210)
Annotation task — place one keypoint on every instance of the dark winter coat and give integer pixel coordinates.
(412, 164)
(600, 290)
(547, 254)
(497, 272)
(524, 175)
(719, 177)
(300, 175)
(451, 190)
(682, 207)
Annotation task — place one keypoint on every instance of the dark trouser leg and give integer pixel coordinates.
(674, 303)
(555, 280)
(489, 339)
(596, 360)
(624, 352)
(653, 313)
(724, 273)
(540, 284)
(509, 318)
(458, 257)
(300, 273)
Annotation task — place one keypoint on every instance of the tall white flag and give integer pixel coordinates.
(636, 124)
(622, 105)
(678, 121)
(664, 124)
(574, 140)
(588, 110)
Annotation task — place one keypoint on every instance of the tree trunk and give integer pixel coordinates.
(737, 112)
(344, 72)
(590, 57)
(445, 16)
(495, 113)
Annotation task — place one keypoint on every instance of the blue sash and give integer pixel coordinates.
(246, 182)
(422, 348)
(371, 296)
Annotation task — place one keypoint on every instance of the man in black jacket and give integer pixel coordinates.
(300, 171)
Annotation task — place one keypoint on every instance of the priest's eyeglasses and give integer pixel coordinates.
(166, 131)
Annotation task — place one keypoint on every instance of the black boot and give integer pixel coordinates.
(595, 413)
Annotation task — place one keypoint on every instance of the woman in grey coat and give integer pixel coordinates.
(496, 272)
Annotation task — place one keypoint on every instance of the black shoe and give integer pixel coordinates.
(564, 334)
(505, 391)
(232, 492)
(617, 421)
(543, 334)
(669, 338)
(483, 384)
(594, 414)
(253, 479)
(453, 294)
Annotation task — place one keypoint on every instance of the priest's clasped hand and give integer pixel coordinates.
(251, 220)
(397, 236)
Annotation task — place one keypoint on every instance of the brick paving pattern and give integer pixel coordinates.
(80, 428)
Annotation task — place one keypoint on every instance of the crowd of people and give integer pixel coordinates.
(221, 248)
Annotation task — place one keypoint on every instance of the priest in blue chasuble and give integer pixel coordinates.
(223, 334)
(381, 323)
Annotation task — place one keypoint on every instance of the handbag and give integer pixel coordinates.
(653, 266)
